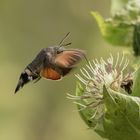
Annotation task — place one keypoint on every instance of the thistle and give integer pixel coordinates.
(104, 95)
(108, 73)
(98, 74)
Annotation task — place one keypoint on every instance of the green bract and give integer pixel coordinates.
(120, 117)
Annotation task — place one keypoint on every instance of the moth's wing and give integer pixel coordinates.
(50, 73)
(69, 58)
(62, 64)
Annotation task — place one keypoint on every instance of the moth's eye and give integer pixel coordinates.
(60, 50)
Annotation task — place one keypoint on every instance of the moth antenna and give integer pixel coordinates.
(60, 44)
(66, 44)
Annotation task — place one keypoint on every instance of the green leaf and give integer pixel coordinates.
(120, 119)
(113, 32)
(122, 116)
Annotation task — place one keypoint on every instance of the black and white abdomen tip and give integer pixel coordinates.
(25, 77)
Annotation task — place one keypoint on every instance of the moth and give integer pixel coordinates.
(53, 63)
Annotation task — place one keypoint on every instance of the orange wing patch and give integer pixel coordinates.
(49, 73)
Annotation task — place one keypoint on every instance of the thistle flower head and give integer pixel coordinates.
(109, 73)
(97, 74)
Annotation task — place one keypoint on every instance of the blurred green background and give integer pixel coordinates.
(41, 111)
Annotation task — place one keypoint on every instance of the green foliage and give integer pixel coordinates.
(123, 27)
(113, 32)
(136, 86)
(120, 119)
(126, 11)
(117, 5)
(136, 40)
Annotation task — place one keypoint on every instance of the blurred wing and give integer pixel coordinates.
(69, 58)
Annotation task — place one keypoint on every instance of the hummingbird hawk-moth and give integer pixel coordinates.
(51, 63)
